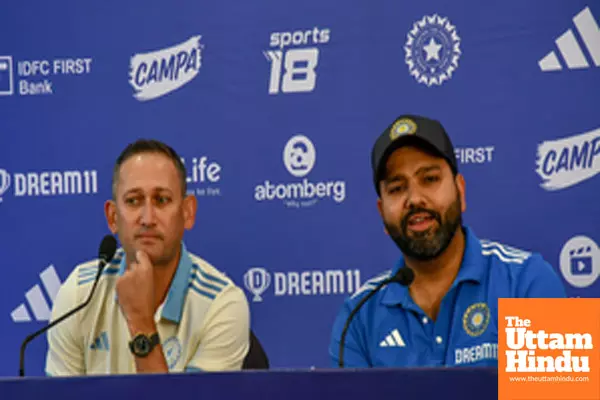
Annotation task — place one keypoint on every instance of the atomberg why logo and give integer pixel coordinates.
(299, 156)
(565, 162)
(157, 73)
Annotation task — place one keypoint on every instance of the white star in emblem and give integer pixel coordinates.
(432, 49)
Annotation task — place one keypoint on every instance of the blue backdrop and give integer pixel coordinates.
(274, 107)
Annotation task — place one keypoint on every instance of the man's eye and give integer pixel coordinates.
(396, 188)
(163, 199)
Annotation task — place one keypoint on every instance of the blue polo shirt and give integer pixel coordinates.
(390, 330)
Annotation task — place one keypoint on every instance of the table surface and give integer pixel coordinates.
(348, 384)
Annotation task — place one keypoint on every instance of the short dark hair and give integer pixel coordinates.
(149, 146)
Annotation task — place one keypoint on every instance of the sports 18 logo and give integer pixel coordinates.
(294, 70)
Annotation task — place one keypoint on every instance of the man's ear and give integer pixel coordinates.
(461, 186)
(190, 207)
(110, 211)
(380, 209)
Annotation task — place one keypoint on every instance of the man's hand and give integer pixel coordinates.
(135, 290)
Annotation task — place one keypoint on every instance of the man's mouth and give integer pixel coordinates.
(420, 222)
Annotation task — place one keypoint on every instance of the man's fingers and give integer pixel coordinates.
(142, 258)
(135, 262)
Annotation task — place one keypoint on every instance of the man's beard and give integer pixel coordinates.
(428, 244)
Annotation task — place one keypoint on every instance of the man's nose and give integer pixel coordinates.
(414, 198)
(148, 216)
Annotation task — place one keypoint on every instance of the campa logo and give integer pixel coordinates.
(547, 348)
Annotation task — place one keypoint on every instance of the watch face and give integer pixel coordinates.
(142, 345)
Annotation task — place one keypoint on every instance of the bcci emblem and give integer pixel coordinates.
(4, 182)
(403, 127)
(172, 350)
(257, 280)
(432, 50)
(476, 319)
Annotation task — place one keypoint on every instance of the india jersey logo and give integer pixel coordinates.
(476, 319)
(432, 50)
(172, 351)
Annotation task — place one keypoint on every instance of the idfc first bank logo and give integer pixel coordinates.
(160, 72)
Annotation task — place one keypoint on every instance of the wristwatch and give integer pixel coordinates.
(141, 345)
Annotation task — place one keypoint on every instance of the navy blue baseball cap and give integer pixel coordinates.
(411, 130)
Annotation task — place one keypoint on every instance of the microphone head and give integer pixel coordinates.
(108, 248)
(405, 276)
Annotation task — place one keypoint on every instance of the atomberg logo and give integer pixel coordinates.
(160, 72)
(299, 157)
(565, 162)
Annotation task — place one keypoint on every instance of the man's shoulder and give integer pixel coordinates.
(207, 280)
(78, 284)
(504, 253)
(367, 287)
(514, 260)
(85, 272)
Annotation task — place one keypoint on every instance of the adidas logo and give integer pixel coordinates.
(393, 340)
(569, 48)
(101, 342)
(36, 300)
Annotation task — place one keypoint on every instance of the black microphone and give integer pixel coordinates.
(108, 247)
(405, 276)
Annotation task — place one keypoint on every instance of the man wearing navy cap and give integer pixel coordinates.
(447, 316)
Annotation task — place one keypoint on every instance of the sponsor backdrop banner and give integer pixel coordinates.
(274, 109)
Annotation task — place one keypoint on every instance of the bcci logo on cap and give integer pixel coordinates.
(4, 182)
(257, 280)
(402, 127)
